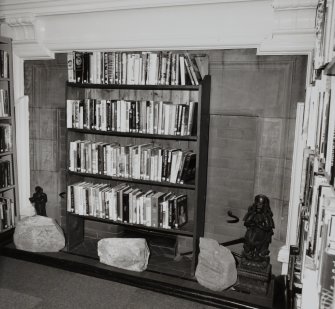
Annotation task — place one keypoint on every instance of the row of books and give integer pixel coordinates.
(144, 161)
(5, 174)
(139, 68)
(5, 137)
(318, 237)
(4, 103)
(126, 204)
(4, 64)
(320, 117)
(152, 117)
(7, 214)
(314, 272)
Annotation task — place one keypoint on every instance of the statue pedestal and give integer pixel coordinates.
(253, 278)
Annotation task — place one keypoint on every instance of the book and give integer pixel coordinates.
(180, 206)
(156, 199)
(78, 64)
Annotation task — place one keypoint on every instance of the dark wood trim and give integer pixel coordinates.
(201, 168)
(182, 231)
(134, 180)
(7, 188)
(134, 87)
(145, 280)
(6, 236)
(134, 134)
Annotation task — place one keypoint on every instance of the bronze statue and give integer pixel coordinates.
(260, 225)
(254, 270)
(39, 199)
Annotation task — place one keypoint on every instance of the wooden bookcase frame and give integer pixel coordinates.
(6, 44)
(75, 224)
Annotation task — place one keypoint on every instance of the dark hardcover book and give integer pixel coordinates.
(168, 69)
(189, 168)
(100, 159)
(4, 214)
(105, 68)
(79, 67)
(332, 164)
(171, 213)
(78, 159)
(86, 68)
(125, 205)
(192, 118)
(109, 115)
(130, 118)
(119, 206)
(2, 63)
(86, 201)
(180, 205)
(72, 198)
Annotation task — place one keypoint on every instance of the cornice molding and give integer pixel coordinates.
(48, 7)
(293, 28)
(27, 33)
(294, 4)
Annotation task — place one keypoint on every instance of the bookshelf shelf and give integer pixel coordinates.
(7, 188)
(139, 181)
(164, 108)
(132, 134)
(135, 87)
(7, 153)
(8, 169)
(183, 231)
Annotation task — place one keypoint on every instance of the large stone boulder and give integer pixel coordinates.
(39, 234)
(216, 269)
(126, 253)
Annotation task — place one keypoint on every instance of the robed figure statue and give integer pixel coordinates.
(260, 225)
(39, 199)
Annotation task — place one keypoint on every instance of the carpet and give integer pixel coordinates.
(15, 300)
(28, 285)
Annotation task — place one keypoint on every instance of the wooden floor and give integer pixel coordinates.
(187, 288)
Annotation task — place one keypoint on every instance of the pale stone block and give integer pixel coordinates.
(39, 234)
(126, 253)
(216, 269)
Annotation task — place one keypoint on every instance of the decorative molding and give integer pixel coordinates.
(294, 4)
(48, 7)
(31, 50)
(27, 33)
(293, 28)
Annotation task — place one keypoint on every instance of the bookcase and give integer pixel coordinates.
(8, 174)
(312, 258)
(193, 140)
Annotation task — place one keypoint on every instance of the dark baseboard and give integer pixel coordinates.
(187, 289)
